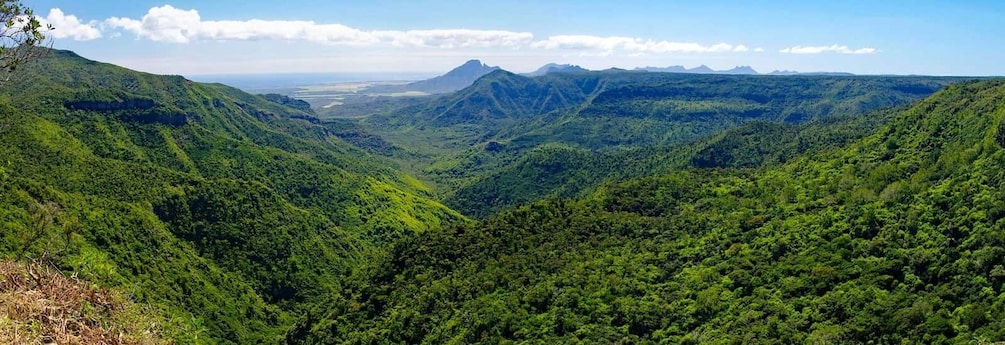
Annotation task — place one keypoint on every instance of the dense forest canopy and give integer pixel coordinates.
(893, 238)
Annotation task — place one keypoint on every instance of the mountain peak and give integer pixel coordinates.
(740, 70)
(458, 78)
(469, 71)
(701, 69)
(473, 63)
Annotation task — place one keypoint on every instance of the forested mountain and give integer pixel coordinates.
(498, 98)
(460, 139)
(893, 238)
(225, 211)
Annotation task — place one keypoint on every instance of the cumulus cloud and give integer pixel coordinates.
(69, 26)
(631, 45)
(759, 50)
(843, 49)
(169, 24)
(455, 38)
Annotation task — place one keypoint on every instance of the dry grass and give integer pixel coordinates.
(38, 305)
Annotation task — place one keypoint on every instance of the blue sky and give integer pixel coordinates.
(251, 36)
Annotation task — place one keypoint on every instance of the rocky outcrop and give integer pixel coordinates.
(129, 104)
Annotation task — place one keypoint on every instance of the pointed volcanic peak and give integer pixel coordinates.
(555, 68)
(745, 70)
(701, 70)
(458, 78)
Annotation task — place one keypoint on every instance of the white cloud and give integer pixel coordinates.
(65, 26)
(863, 51)
(843, 49)
(759, 50)
(127, 24)
(631, 45)
(455, 38)
(169, 24)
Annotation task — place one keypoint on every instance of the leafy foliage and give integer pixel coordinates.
(21, 34)
(893, 238)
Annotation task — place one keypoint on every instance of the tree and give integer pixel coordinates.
(20, 36)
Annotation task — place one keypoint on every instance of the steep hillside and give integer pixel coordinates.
(564, 171)
(895, 238)
(224, 210)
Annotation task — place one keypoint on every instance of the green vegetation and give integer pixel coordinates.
(894, 238)
(615, 207)
(223, 210)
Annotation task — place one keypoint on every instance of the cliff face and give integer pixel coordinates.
(129, 104)
(140, 110)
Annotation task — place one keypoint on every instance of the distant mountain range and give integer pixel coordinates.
(466, 74)
(744, 70)
(699, 70)
(555, 68)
